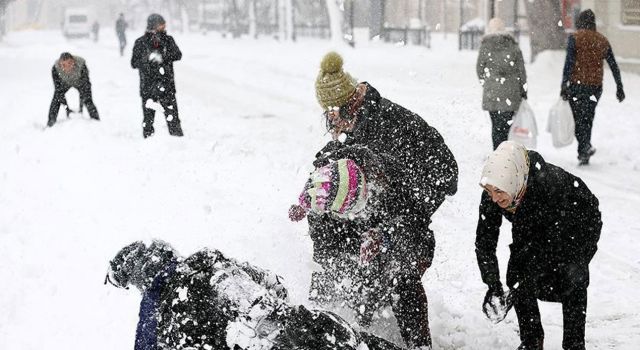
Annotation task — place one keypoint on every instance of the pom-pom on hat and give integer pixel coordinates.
(334, 86)
(339, 188)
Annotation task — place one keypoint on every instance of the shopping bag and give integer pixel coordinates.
(523, 128)
(561, 124)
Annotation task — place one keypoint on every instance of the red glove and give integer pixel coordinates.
(297, 213)
(370, 247)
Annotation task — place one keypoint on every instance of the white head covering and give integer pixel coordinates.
(496, 25)
(507, 168)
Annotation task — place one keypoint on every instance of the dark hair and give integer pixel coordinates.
(66, 56)
(586, 20)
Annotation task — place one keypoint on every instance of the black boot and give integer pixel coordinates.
(533, 345)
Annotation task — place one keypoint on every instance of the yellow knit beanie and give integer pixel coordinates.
(334, 86)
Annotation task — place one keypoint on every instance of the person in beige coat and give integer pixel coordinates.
(500, 68)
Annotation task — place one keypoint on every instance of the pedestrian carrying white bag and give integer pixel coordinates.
(561, 124)
(524, 129)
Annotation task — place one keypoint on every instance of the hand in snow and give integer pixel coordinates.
(370, 247)
(620, 94)
(497, 304)
(156, 57)
(297, 213)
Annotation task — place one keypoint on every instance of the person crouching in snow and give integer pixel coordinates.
(372, 249)
(209, 301)
(70, 71)
(556, 225)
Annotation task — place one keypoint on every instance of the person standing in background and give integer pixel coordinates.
(500, 68)
(153, 56)
(95, 29)
(582, 78)
(121, 27)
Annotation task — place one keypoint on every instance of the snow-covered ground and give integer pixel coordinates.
(73, 195)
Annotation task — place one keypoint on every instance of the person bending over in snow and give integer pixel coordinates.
(371, 246)
(153, 56)
(209, 301)
(427, 167)
(70, 71)
(555, 226)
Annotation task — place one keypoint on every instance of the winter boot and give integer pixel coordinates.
(584, 159)
(533, 345)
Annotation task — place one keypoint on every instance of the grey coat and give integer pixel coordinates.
(500, 68)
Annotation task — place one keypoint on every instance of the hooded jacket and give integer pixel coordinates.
(500, 68)
(555, 228)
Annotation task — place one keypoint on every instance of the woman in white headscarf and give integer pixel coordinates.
(500, 68)
(555, 228)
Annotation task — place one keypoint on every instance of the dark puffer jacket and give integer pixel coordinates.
(555, 233)
(155, 78)
(425, 160)
(206, 292)
(209, 301)
(421, 166)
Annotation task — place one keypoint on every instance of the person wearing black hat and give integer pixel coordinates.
(582, 78)
(153, 56)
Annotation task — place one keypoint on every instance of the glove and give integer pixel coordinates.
(322, 157)
(496, 304)
(620, 93)
(156, 57)
(524, 94)
(68, 110)
(297, 213)
(370, 247)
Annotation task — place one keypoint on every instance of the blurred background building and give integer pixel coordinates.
(545, 22)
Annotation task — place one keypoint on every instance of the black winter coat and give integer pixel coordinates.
(156, 79)
(428, 164)
(555, 232)
(206, 293)
(424, 172)
(389, 210)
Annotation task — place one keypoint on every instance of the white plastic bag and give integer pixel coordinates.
(524, 129)
(561, 124)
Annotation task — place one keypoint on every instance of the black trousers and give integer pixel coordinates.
(574, 313)
(85, 99)
(412, 310)
(583, 100)
(500, 126)
(122, 39)
(170, 105)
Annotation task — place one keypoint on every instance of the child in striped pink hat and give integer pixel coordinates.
(339, 188)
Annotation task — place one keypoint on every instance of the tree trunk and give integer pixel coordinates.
(253, 32)
(545, 26)
(335, 21)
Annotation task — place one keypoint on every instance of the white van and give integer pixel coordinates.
(77, 22)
